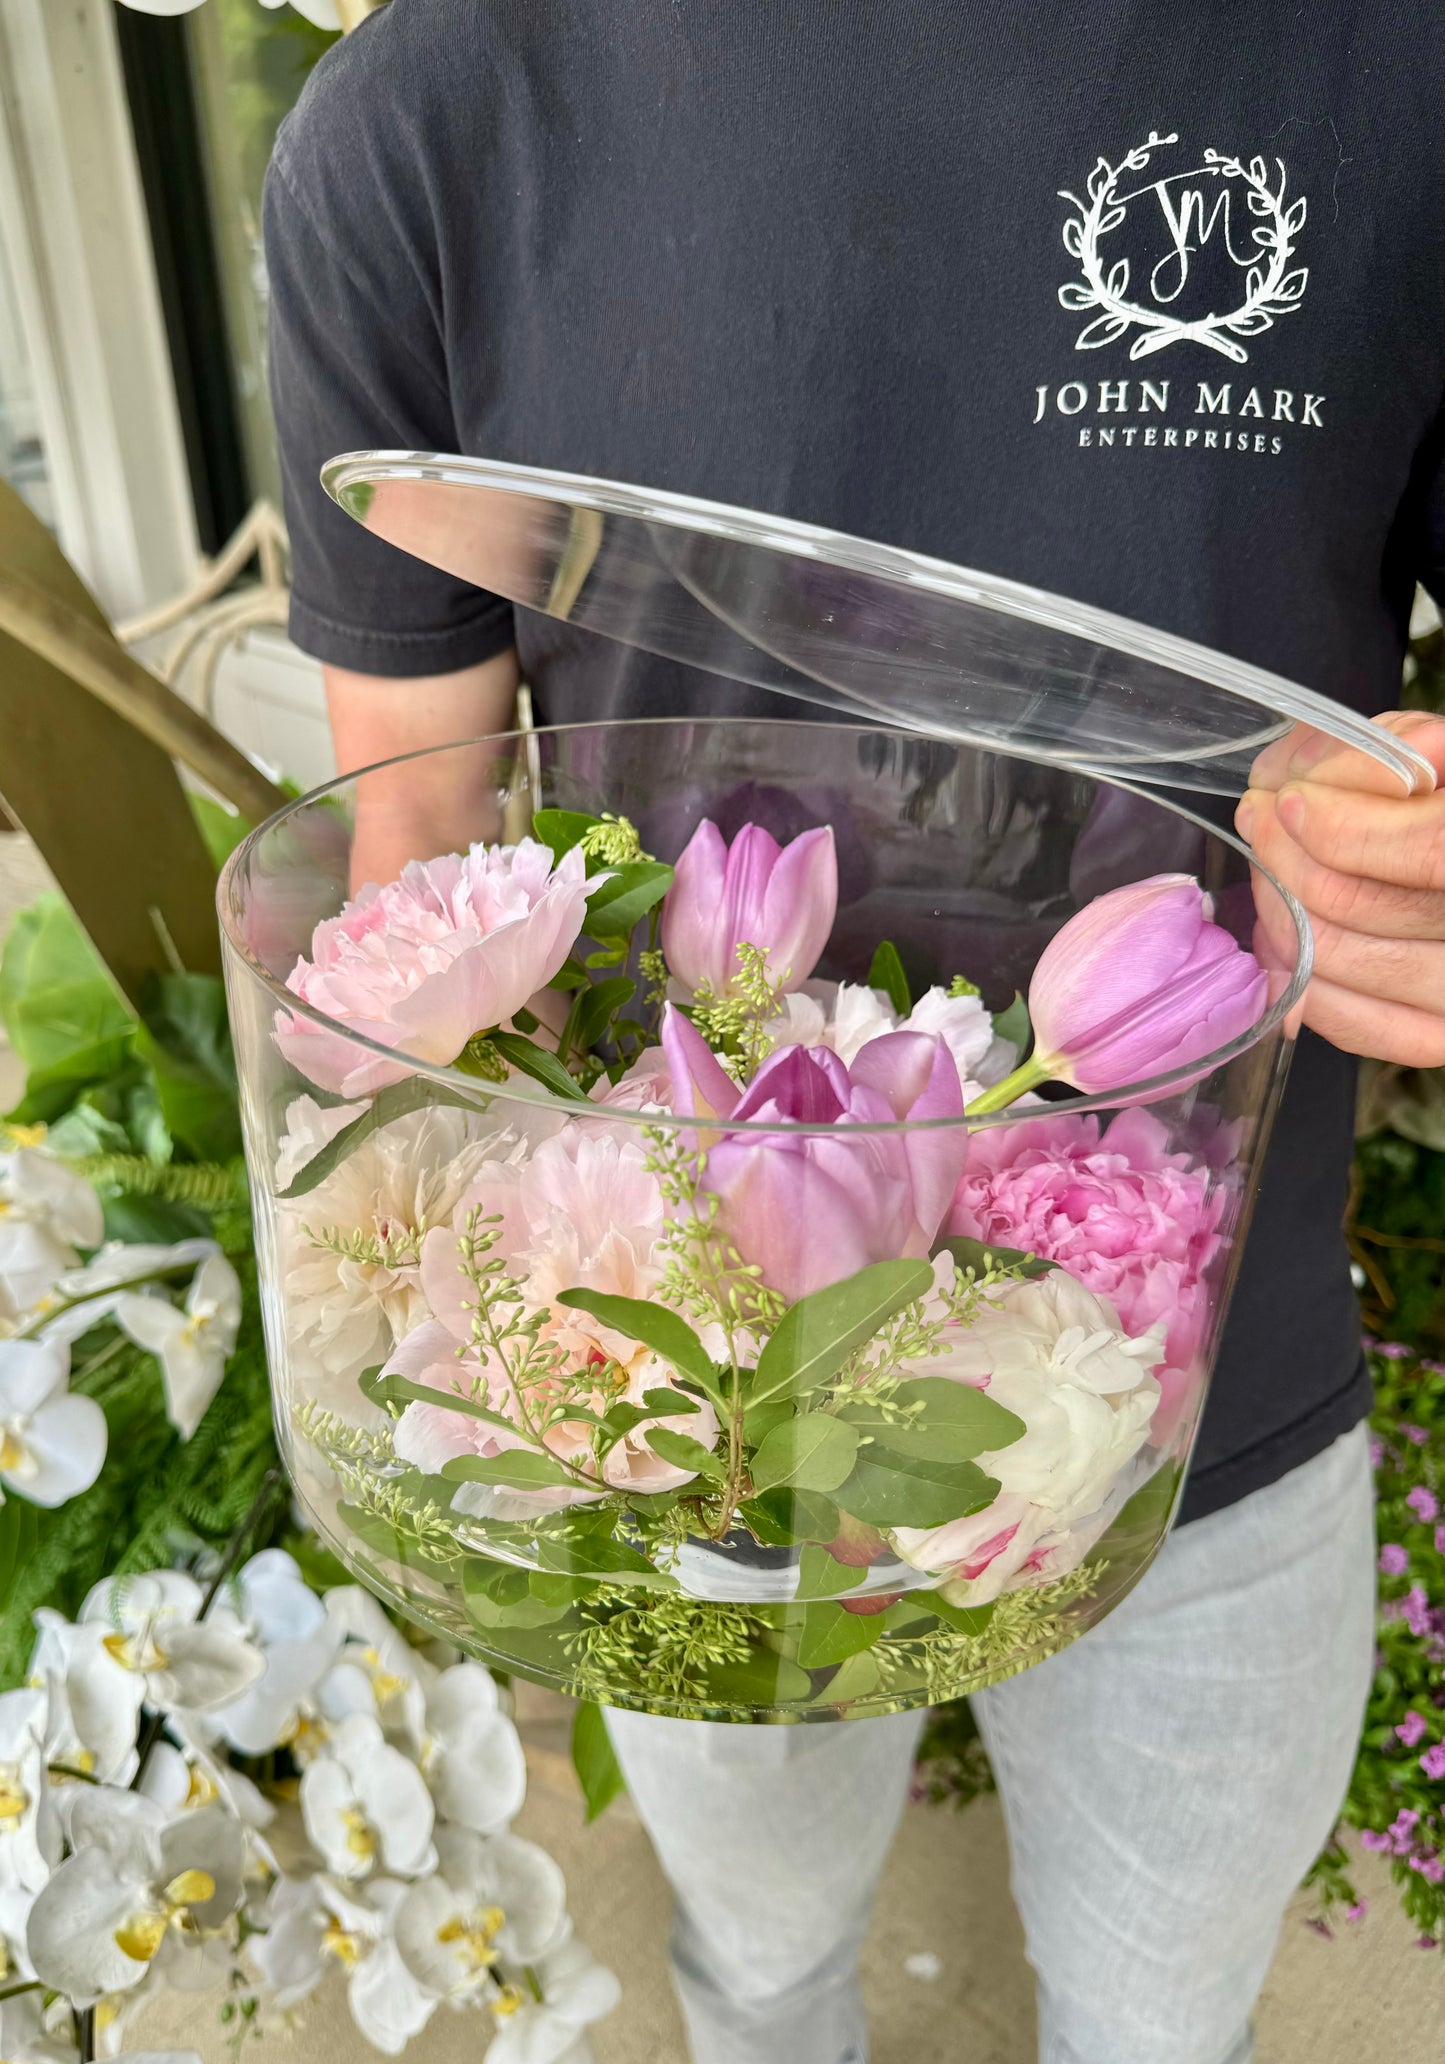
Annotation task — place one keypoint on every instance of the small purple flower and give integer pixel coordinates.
(1393, 1560)
(1418, 1617)
(1358, 1911)
(1320, 1927)
(1426, 1942)
(1370, 1839)
(1393, 1350)
(1402, 1829)
(1412, 1728)
(1417, 1434)
(1440, 1540)
(1431, 1869)
(1424, 1504)
(1377, 1453)
(1433, 1761)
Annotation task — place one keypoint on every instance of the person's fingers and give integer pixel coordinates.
(1394, 970)
(1305, 754)
(1383, 909)
(1364, 1025)
(1395, 839)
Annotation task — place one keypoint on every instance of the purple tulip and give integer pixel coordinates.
(1141, 981)
(753, 892)
(810, 1208)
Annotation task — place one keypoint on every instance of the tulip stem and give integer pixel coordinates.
(1028, 1075)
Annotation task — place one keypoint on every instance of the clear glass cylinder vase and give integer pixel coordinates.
(719, 1413)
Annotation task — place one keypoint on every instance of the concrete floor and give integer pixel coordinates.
(1368, 1997)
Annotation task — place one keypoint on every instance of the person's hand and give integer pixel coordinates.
(1368, 864)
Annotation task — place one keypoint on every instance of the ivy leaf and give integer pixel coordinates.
(782, 1518)
(400, 1390)
(885, 972)
(685, 1453)
(887, 1490)
(593, 1758)
(813, 1452)
(542, 1066)
(976, 1255)
(397, 1100)
(527, 1469)
(627, 895)
(669, 1336)
(815, 1336)
(1013, 1023)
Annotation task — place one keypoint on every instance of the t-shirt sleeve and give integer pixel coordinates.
(357, 362)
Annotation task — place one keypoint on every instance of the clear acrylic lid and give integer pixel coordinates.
(862, 628)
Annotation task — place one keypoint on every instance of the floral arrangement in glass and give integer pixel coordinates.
(681, 1338)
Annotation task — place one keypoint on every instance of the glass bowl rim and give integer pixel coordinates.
(483, 1093)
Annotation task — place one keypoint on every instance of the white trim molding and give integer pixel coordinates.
(73, 223)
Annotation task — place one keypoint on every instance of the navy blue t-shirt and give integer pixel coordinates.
(980, 281)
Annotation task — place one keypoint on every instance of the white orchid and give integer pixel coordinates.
(82, 1297)
(29, 1833)
(377, 1672)
(275, 1608)
(140, 1642)
(52, 1445)
(29, 2034)
(321, 14)
(472, 1757)
(495, 1900)
(365, 1805)
(192, 1345)
(184, 1778)
(317, 1924)
(576, 1991)
(140, 1889)
(47, 1212)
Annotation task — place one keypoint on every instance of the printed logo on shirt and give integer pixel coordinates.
(1178, 248)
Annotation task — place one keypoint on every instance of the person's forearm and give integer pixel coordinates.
(426, 806)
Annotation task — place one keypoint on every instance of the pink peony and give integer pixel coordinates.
(585, 1212)
(1129, 1219)
(454, 947)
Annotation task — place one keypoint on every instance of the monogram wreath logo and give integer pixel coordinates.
(1194, 204)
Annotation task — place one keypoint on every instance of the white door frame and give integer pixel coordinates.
(73, 222)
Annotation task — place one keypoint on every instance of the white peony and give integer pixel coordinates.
(1055, 1355)
(844, 1016)
(350, 1248)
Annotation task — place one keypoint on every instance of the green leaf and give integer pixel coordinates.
(667, 1404)
(561, 830)
(57, 1002)
(669, 1337)
(685, 1453)
(760, 1419)
(816, 1335)
(499, 1597)
(186, 1040)
(598, 1005)
(50, 1091)
(1013, 1023)
(222, 828)
(908, 1490)
(762, 1679)
(19, 1537)
(831, 1635)
(886, 973)
(857, 1678)
(819, 1576)
(523, 1468)
(542, 1066)
(956, 1422)
(400, 1390)
(593, 1758)
(976, 1255)
(627, 895)
(964, 1619)
(782, 1518)
(813, 1452)
(585, 1552)
(397, 1100)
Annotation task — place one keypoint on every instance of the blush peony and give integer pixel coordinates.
(1131, 1220)
(454, 947)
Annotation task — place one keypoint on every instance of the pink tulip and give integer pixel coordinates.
(810, 1208)
(1140, 982)
(753, 892)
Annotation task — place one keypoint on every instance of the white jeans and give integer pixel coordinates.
(1166, 1781)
